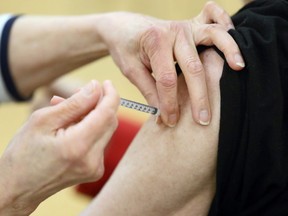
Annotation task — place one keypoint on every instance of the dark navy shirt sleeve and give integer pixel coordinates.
(252, 164)
(8, 89)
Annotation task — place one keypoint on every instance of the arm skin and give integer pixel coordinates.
(47, 47)
(62, 145)
(168, 171)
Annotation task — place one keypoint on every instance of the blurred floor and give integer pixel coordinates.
(68, 202)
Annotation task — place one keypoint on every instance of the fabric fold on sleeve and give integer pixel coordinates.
(252, 165)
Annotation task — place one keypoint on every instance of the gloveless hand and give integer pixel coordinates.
(59, 146)
(146, 50)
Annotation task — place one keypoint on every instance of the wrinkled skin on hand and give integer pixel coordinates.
(59, 146)
(147, 48)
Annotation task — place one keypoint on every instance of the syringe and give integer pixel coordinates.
(139, 106)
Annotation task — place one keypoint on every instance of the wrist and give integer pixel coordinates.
(12, 195)
(109, 27)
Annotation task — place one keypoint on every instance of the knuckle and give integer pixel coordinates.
(210, 29)
(194, 66)
(92, 170)
(213, 30)
(153, 34)
(168, 80)
(177, 26)
(148, 95)
(38, 117)
(88, 170)
(215, 12)
(151, 39)
(83, 165)
(98, 172)
(74, 155)
(128, 71)
(73, 105)
(209, 6)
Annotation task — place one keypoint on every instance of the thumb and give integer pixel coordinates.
(71, 110)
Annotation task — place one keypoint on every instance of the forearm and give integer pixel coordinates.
(21, 191)
(12, 198)
(44, 48)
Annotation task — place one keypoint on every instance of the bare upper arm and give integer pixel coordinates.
(168, 171)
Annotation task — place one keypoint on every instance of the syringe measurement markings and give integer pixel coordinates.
(138, 106)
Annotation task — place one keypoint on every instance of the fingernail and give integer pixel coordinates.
(204, 117)
(89, 88)
(55, 97)
(239, 60)
(172, 120)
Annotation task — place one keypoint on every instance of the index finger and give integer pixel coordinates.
(158, 46)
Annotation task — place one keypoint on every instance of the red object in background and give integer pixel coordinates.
(115, 149)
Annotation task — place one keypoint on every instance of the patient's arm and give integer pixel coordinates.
(168, 171)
